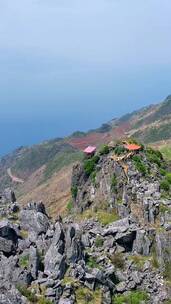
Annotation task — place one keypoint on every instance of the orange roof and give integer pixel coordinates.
(132, 147)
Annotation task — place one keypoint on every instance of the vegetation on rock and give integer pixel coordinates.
(134, 297)
(90, 165)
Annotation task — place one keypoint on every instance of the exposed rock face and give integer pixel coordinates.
(89, 193)
(54, 258)
(33, 220)
(9, 294)
(8, 238)
(70, 261)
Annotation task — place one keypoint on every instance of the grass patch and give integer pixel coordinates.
(163, 208)
(24, 234)
(30, 295)
(91, 262)
(86, 296)
(102, 216)
(117, 260)
(154, 156)
(166, 151)
(138, 260)
(167, 271)
(134, 297)
(24, 261)
(99, 241)
(119, 201)
(154, 260)
(70, 206)
(74, 191)
(69, 280)
(43, 300)
(114, 183)
(61, 160)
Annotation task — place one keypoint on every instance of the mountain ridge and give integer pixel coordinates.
(150, 124)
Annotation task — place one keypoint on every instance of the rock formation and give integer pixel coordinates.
(113, 246)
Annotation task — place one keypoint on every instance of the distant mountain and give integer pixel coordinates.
(50, 163)
(150, 124)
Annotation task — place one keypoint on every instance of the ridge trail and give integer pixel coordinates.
(14, 178)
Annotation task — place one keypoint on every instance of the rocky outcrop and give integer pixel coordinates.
(33, 220)
(10, 294)
(92, 258)
(8, 238)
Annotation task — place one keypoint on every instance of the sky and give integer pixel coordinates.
(68, 65)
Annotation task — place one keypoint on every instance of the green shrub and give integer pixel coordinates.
(139, 165)
(24, 261)
(104, 150)
(162, 171)
(99, 241)
(90, 164)
(74, 191)
(70, 206)
(119, 150)
(134, 297)
(168, 177)
(93, 177)
(164, 185)
(91, 262)
(114, 183)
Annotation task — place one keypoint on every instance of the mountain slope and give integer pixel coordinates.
(43, 164)
(151, 124)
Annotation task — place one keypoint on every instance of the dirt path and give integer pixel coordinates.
(15, 179)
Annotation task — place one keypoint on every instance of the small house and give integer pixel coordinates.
(90, 151)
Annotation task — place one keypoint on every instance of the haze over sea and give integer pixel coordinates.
(70, 65)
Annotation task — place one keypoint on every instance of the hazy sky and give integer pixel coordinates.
(69, 64)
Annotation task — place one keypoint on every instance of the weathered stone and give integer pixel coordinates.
(33, 221)
(142, 243)
(9, 294)
(54, 258)
(8, 238)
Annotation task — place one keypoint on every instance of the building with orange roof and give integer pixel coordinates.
(132, 147)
